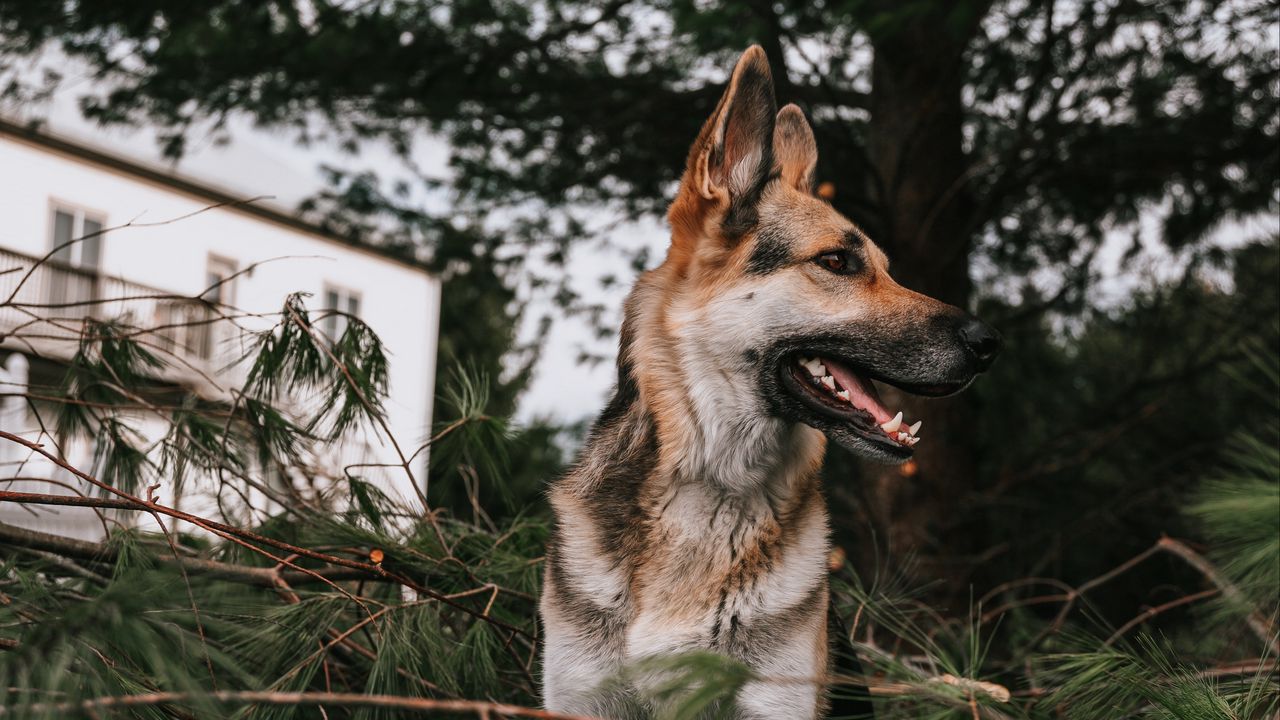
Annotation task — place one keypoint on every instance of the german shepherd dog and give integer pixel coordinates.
(693, 519)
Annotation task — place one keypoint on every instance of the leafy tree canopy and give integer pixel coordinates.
(1072, 115)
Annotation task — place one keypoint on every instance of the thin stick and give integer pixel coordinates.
(1154, 611)
(256, 697)
(1261, 627)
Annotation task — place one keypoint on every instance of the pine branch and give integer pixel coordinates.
(1263, 629)
(1260, 626)
(104, 553)
(246, 539)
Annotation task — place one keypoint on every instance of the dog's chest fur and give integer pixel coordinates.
(647, 561)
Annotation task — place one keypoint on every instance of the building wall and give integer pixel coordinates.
(170, 252)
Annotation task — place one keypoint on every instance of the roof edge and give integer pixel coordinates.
(245, 205)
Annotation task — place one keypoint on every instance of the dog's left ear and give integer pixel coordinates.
(730, 163)
(795, 152)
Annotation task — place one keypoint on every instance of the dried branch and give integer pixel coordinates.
(319, 699)
(103, 553)
(1260, 626)
(1154, 611)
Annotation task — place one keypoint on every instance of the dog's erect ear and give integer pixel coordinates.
(733, 155)
(795, 152)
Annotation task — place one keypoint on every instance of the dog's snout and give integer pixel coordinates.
(982, 342)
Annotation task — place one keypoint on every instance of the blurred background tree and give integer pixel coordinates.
(994, 149)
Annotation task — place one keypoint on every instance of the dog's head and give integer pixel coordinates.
(787, 300)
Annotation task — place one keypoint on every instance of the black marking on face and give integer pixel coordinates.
(771, 253)
(921, 356)
(854, 240)
(751, 356)
(854, 252)
(857, 246)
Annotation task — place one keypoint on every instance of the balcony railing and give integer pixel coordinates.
(50, 305)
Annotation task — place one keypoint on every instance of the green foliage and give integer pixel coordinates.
(1105, 428)
(1149, 681)
(444, 607)
(1239, 510)
(1150, 668)
(347, 373)
(1239, 516)
(535, 113)
(107, 365)
(690, 685)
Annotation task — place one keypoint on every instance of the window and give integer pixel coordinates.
(73, 224)
(75, 239)
(219, 289)
(338, 304)
(220, 281)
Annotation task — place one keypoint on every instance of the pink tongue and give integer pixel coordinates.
(861, 392)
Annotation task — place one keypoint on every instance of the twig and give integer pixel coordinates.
(257, 697)
(82, 550)
(1261, 627)
(1154, 611)
(49, 256)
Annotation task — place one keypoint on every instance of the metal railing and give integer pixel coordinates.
(47, 306)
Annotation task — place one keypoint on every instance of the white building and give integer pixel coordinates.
(53, 189)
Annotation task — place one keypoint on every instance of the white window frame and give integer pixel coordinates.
(335, 325)
(79, 214)
(225, 293)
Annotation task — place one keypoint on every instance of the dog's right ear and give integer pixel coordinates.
(733, 155)
(795, 152)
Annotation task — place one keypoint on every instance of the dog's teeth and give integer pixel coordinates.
(915, 429)
(829, 381)
(892, 426)
(818, 369)
(903, 437)
(843, 395)
(911, 442)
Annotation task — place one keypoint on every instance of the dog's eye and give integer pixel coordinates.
(837, 261)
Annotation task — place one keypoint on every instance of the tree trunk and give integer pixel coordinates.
(914, 144)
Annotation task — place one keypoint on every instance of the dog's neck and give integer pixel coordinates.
(710, 423)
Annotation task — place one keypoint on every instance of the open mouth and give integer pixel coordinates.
(835, 390)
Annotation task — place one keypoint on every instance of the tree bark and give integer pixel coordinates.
(915, 147)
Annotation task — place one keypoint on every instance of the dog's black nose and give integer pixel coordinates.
(982, 340)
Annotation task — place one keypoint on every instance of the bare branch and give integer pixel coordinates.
(227, 697)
